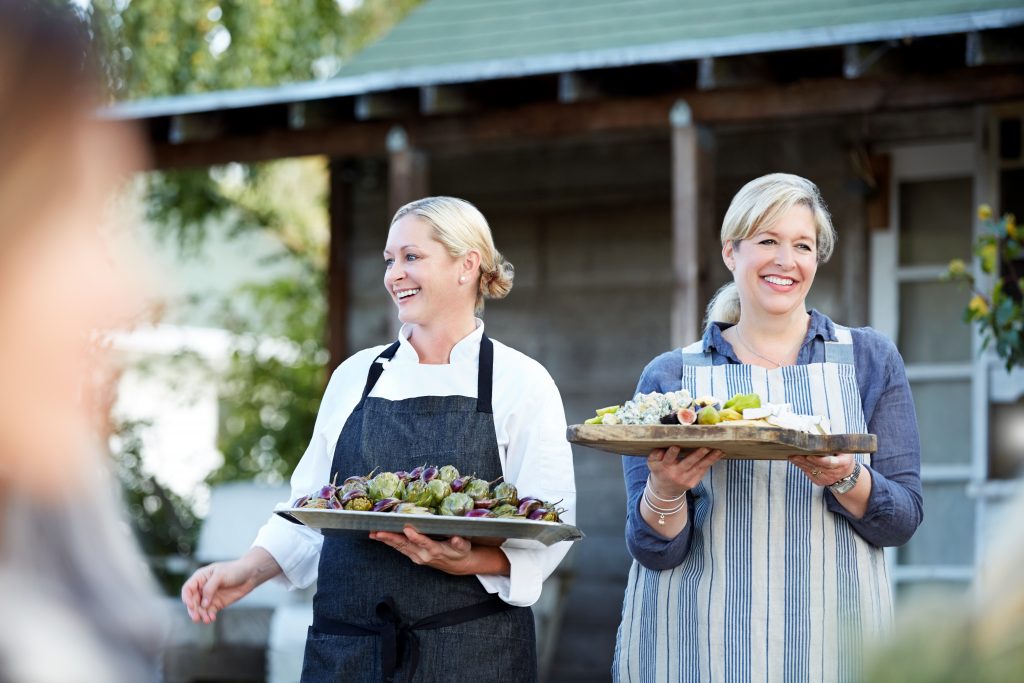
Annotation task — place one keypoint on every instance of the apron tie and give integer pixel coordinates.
(398, 637)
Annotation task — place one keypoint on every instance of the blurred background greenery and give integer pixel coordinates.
(267, 402)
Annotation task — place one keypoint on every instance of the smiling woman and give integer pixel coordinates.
(443, 393)
(771, 570)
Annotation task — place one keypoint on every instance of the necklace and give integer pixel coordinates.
(748, 347)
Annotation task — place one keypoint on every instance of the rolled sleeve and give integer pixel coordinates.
(895, 507)
(529, 568)
(296, 549)
(538, 460)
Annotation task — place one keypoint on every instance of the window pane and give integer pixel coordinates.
(935, 221)
(932, 329)
(946, 537)
(944, 419)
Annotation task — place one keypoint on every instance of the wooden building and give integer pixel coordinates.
(603, 140)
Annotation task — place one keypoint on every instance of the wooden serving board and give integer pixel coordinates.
(740, 441)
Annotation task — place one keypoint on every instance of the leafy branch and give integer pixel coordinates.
(996, 309)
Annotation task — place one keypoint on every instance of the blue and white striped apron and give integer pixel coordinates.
(775, 586)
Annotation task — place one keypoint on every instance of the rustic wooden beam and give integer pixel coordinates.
(807, 98)
(867, 59)
(733, 72)
(576, 87)
(195, 127)
(436, 100)
(341, 213)
(345, 139)
(691, 207)
(384, 105)
(995, 47)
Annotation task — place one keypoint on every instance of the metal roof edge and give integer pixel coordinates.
(394, 79)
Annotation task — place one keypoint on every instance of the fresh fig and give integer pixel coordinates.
(686, 416)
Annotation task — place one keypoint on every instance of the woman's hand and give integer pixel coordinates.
(214, 587)
(454, 556)
(824, 470)
(672, 475)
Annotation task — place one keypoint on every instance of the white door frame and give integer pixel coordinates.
(936, 161)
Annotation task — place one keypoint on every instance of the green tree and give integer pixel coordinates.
(160, 48)
(997, 309)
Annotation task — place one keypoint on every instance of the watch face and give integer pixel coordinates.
(848, 482)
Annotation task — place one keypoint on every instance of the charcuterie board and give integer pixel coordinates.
(741, 441)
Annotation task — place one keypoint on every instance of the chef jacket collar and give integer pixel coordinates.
(467, 349)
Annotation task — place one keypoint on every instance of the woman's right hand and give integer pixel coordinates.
(215, 586)
(671, 476)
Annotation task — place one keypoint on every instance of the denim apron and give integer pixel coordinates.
(377, 616)
(775, 587)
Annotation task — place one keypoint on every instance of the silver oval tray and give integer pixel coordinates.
(495, 529)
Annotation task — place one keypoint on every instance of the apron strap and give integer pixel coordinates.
(399, 637)
(376, 370)
(485, 376)
(841, 350)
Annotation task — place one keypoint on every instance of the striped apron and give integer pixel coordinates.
(775, 587)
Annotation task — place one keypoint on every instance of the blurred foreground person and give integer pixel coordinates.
(75, 601)
(978, 637)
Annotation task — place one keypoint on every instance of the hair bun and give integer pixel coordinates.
(497, 283)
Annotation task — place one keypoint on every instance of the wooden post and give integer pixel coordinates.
(408, 172)
(408, 179)
(339, 259)
(692, 208)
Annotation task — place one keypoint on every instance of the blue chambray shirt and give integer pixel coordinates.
(894, 509)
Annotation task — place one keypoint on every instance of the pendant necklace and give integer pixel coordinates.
(748, 347)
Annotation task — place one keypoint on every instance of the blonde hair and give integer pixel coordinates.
(460, 227)
(756, 206)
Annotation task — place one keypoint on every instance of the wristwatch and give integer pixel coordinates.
(847, 482)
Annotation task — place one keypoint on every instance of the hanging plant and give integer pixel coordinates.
(996, 309)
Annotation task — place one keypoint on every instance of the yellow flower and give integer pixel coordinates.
(988, 253)
(984, 212)
(1011, 226)
(957, 267)
(978, 306)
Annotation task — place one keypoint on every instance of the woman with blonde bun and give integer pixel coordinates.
(393, 606)
(771, 570)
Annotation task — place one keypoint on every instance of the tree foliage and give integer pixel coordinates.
(997, 308)
(276, 375)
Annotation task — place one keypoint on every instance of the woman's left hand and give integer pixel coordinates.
(824, 470)
(452, 556)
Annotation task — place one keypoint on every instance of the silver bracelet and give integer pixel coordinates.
(678, 498)
(661, 512)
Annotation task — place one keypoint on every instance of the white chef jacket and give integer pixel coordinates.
(529, 423)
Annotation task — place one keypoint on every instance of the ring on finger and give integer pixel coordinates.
(815, 473)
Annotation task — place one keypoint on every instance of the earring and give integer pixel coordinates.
(462, 279)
